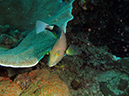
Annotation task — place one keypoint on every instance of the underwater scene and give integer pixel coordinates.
(64, 47)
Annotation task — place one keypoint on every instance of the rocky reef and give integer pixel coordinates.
(37, 82)
(100, 29)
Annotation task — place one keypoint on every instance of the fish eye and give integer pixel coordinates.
(57, 54)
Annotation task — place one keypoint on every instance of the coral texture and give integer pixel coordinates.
(38, 82)
(22, 15)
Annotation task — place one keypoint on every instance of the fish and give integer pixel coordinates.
(59, 49)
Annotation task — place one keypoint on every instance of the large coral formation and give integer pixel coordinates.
(46, 84)
(9, 88)
(10, 37)
(38, 82)
(23, 16)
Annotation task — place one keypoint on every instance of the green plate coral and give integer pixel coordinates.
(23, 15)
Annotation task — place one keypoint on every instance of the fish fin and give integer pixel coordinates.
(48, 52)
(73, 50)
(40, 26)
(64, 54)
(55, 34)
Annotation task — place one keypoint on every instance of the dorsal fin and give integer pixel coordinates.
(40, 26)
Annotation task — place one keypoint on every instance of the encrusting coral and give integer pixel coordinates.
(36, 83)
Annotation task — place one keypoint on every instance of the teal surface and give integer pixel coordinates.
(23, 15)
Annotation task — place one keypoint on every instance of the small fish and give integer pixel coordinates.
(59, 49)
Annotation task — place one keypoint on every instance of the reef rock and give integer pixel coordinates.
(39, 82)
